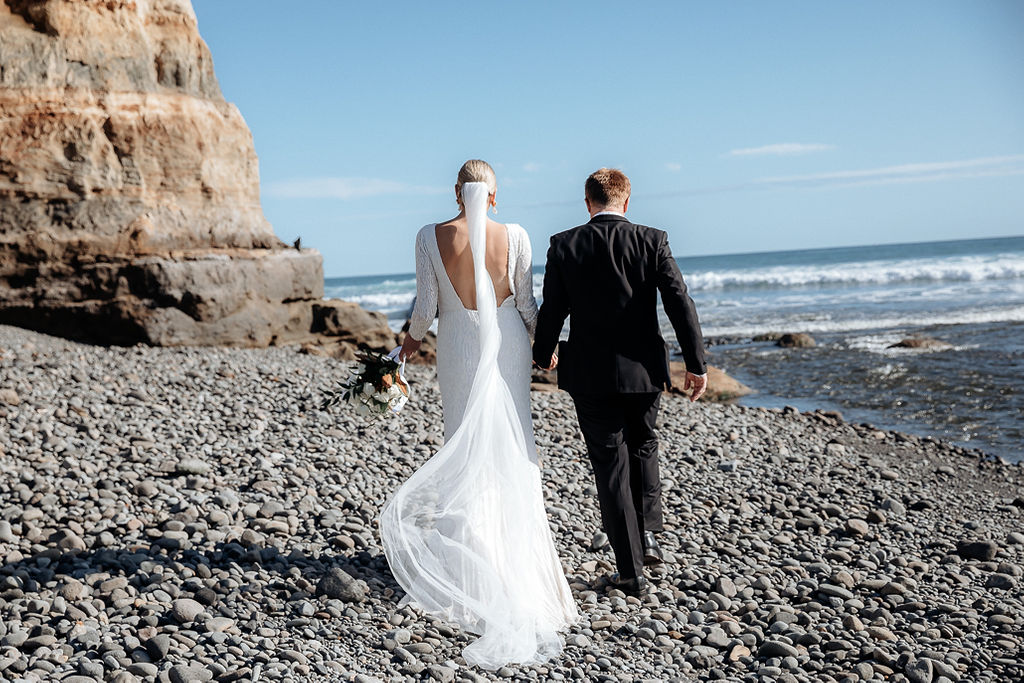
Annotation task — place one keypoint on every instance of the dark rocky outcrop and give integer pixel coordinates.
(345, 321)
(796, 340)
(921, 343)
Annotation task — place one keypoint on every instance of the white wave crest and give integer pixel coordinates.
(952, 269)
(824, 324)
(384, 301)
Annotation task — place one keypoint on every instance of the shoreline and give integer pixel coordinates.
(167, 512)
(893, 385)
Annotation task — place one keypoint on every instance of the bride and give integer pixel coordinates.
(467, 536)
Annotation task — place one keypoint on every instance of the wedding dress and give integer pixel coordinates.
(467, 535)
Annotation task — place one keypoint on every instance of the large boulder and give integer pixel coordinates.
(352, 324)
(129, 188)
(796, 340)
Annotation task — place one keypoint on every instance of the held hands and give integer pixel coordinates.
(694, 385)
(554, 363)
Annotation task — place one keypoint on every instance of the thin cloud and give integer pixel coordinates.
(531, 167)
(905, 173)
(344, 188)
(982, 167)
(673, 166)
(782, 149)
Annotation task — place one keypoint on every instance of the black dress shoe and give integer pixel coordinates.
(653, 553)
(636, 586)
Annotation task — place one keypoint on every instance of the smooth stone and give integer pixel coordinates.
(145, 669)
(919, 671)
(1001, 581)
(218, 624)
(836, 591)
(339, 585)
(189, 674)
(725, 586)
(857, 527)
(158, 646)
(185, 610)
(977, 550)
(777, 648)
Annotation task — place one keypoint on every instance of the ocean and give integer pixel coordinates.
(856, 302)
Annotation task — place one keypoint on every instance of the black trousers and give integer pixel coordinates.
(622, 444)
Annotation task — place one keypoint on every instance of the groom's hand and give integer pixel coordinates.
(694, 385)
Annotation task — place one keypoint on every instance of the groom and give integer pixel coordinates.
(606, 276)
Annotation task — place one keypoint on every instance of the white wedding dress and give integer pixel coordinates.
(467, 535)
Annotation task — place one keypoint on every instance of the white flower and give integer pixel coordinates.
(394, 392)
(360, 368)
(368, 389)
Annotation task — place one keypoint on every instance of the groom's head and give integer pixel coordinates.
(607, 189)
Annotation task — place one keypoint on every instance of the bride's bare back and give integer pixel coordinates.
(453, 244)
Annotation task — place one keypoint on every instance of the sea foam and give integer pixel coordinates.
(950, 269)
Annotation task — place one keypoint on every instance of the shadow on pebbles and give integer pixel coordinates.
(191, 515)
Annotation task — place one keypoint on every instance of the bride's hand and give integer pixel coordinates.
(554, 362)
(409, 346)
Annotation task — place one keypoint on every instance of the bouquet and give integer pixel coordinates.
(376, 387)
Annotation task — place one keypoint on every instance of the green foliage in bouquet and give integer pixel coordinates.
(375, 388)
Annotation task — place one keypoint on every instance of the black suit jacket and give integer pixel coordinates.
(605, 276)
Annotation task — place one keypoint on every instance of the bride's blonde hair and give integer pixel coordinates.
(476, 171)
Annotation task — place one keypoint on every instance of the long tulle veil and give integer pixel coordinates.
(466, 535)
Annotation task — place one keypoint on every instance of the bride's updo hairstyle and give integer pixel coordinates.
(475, 171)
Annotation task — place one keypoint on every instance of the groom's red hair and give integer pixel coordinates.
(607, 187)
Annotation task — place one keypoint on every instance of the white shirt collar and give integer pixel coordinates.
(609, 213)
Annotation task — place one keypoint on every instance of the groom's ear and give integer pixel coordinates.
(586, 200)
(625, 205)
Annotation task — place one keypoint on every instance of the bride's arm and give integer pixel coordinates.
(425, 309)
(526, 303)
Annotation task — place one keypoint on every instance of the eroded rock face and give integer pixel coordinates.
(129, 188)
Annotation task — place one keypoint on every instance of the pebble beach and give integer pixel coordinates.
(190, 514)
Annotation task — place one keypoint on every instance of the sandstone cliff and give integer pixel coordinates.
(129, 189)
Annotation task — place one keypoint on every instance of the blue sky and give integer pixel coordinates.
(744, 126)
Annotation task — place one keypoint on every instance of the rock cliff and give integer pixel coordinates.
(129, 188)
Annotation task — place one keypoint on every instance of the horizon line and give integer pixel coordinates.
(742, 253)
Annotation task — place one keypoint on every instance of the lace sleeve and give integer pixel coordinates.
(523, 279)
(425, 309)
